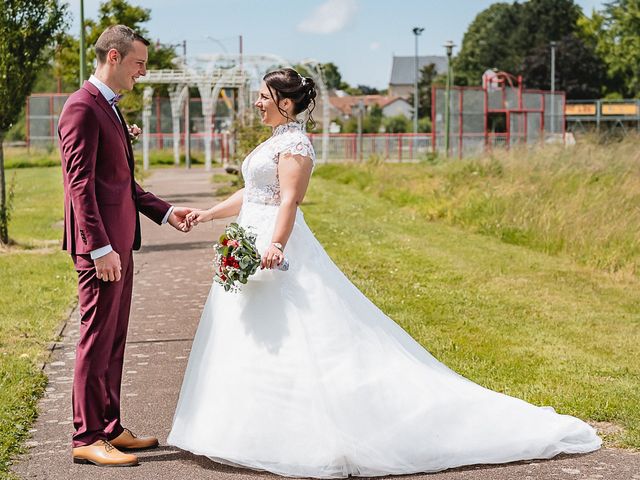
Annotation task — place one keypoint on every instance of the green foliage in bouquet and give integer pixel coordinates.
(236, 257)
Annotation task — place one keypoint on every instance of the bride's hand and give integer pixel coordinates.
(272, 257)
(198, 216)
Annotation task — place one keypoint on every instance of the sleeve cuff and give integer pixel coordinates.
(100, 252)
(166, 215)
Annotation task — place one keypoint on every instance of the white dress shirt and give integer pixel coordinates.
(108, 94)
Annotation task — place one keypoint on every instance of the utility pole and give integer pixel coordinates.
(553, 86)
(187, 120)
(417, 31)
(83, 49)
(360, 109)
(447, 97)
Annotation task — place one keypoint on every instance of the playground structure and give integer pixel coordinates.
(500, 113)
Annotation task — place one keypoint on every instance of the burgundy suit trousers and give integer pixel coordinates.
(104, 316)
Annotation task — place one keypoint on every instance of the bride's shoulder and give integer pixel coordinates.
(295, 142)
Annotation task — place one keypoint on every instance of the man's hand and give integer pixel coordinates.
(108, 268)
(178, 218)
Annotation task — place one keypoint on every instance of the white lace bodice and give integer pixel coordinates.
(260, 168)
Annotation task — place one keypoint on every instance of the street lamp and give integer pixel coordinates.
(447, 95)
(553, 86)
(417, 31)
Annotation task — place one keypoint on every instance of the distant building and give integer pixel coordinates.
(391, 106)
(403, 73)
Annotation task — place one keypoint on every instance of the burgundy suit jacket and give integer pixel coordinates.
(102, 200)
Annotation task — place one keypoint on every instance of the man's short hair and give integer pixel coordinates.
(119, 37)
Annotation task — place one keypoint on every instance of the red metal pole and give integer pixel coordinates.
(51, 122)
(486, 118)
(520, 92)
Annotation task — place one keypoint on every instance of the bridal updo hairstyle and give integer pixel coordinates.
(287, 83)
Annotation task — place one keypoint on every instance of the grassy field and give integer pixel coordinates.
(550, 325)
(24, 158)
(37, 288)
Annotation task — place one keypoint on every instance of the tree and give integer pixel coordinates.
(579, 70)
(367, 90)
(27, 28)
(615, 34)
(488, 43)
(543, 21)
(503, 35)
(66, 53)
(333, 77)
(396, 124)
(428, 76)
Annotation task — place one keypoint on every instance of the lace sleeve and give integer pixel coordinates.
(297, 145)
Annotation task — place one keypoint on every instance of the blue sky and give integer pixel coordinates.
(360, 36)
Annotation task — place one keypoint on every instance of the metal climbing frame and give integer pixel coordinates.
(502, 115)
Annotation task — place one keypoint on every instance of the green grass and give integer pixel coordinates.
(24, 158)
(541, 327)
(582, 201)
(37, 288)
(34, 158)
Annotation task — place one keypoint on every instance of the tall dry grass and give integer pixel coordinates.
(582, 201)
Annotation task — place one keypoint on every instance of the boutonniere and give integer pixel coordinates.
(134, 132)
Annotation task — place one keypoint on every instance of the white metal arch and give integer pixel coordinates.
(212, 73)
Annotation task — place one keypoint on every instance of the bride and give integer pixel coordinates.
(300, 374)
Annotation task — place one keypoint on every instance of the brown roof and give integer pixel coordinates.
(347, 103)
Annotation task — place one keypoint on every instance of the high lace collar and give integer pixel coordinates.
(288, 127)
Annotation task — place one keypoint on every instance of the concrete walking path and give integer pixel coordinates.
(172, 280)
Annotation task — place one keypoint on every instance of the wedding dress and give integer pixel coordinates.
(300, 374)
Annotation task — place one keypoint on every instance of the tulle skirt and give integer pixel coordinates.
(301, 375)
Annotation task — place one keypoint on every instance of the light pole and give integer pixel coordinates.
(83, 50)
(447, 96)
(553, 86)
(360, 109)
(417, 31)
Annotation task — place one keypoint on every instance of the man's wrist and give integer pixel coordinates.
(167, 215)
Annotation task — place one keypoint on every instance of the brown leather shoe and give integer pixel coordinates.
(103, 454)
(127, 440)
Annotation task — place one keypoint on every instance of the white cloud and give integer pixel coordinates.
(374, 46)
(330, 17)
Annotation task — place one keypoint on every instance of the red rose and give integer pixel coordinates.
(233, 243)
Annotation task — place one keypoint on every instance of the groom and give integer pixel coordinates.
(101, 228)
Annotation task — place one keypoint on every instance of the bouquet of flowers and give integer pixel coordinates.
(236, 257)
